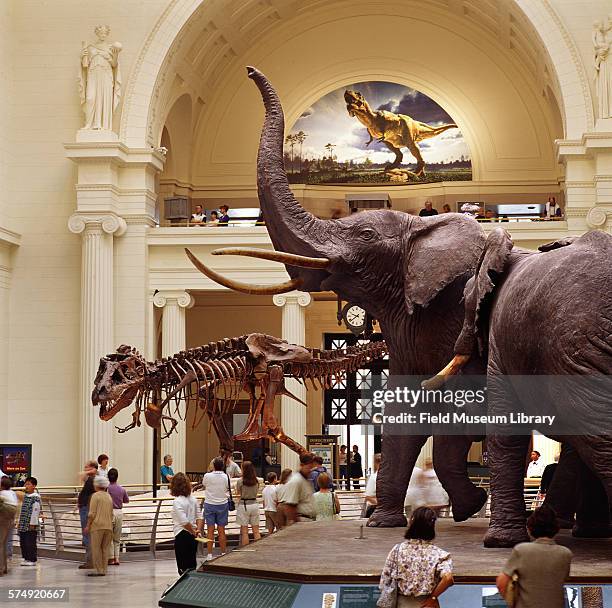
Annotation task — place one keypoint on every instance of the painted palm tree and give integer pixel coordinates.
(330, 148)
(300, 138)
(290, 141)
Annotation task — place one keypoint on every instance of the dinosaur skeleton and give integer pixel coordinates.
(209, 380)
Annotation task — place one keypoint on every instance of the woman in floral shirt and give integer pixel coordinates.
(422, 570)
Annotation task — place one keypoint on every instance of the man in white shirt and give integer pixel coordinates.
(536, 466)
(216, 486)
(198, 218)
(298, 492)
(370, 490)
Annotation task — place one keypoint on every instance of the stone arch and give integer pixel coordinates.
(141, 100)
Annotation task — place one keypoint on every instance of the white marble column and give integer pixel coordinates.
(5, 283)
(97, 336)
(293, 414)
(174, 305)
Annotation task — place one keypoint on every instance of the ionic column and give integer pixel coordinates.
(97, 338)
(293, 414)
(174, 305)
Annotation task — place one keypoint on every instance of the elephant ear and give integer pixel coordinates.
(439, 250)
(479, 291)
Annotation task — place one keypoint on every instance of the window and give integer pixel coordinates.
(349, 400)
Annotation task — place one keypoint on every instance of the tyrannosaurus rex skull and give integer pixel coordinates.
(120, 377)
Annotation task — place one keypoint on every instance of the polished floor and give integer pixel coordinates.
(132, 584)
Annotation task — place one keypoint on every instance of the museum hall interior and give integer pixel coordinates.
(306, 303)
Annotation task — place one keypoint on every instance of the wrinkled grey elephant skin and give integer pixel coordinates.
(409, 273)
(542, 313)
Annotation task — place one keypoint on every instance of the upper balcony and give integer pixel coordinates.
(169, 267)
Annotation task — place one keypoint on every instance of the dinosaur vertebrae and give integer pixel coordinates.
(210, 379)
(329, 365)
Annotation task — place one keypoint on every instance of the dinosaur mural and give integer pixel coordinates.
(396, 131)
(208, 381)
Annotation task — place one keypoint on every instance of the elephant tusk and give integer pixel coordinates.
(441, 377)
(291, 259)
(244, 287)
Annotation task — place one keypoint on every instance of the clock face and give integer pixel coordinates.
(355, 316)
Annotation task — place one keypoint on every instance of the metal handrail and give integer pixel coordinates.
(148, 527)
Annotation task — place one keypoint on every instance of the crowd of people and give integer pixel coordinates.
(416, 572)
(99, 504)
(216, 217)
(307, 494)
(552, 211)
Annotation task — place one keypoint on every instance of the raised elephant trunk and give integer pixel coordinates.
(291, 227)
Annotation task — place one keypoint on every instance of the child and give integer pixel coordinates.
(269, 500)
(28, 522)
(103, 465)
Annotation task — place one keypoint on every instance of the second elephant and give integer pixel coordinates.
(547, 315)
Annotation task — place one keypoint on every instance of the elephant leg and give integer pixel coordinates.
(507, 456)
(593, 512)
(562, 495)
(399, 455)
(450, 463)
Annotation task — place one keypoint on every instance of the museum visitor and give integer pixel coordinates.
(217, 493)
(297, 494)
(326, 503)
(416, 569)
(186, 523)
(100, 525)
(269, 498)
(247, 511)
(540, 567)
(281, 511)
(120, 497)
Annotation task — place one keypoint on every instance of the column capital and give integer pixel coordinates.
(108, 222)
(182, 298)
(301, 298)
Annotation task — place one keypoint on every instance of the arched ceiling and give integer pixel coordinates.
(479, 59)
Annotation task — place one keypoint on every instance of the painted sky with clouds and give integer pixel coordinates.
(327, 121)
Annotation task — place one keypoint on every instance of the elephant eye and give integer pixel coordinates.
(367, 235)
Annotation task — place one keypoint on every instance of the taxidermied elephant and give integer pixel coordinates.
(546, 314)
(408, 272)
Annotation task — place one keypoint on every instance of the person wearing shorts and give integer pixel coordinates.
(247, 511)
(216, 505)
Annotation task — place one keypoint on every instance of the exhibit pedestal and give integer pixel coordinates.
(327, 565)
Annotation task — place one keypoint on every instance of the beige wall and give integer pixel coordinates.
(45, 296)
(214, 317)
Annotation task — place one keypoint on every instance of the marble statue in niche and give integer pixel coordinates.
(602, 43)
(100, 80)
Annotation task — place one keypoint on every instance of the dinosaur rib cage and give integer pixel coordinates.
(210, 379)
(221, 369)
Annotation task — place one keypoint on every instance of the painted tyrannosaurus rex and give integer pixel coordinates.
(396, 131)
(209, 380)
